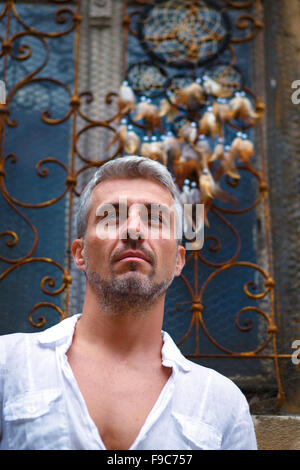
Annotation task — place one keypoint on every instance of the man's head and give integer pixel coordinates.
(132, 268)
(128, 167)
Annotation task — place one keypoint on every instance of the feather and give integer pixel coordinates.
(192, 96)
(217, 153)
(221, 111)
(243, 149)
(185, 170)
(149, 113)
(247, 151)
(208, 187)
(226, 159)
(171, 147)
(168, 108)
(208, 191)
(188, 152)
(209, 125)
(154, 151)
(132, 143)
(128, 140)
(242, 108)
(126, 99)
(188, 133)
(228, 165)
(212, 87)
(203, 148)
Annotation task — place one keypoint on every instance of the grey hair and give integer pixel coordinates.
(133, 166)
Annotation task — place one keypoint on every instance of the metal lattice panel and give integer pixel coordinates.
(66, 107)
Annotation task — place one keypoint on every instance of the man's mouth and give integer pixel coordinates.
(136, 256)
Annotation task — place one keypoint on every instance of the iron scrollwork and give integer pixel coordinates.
(186, 105)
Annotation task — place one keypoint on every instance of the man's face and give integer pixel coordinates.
(137, 260)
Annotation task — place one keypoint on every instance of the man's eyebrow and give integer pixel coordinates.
(148, 205)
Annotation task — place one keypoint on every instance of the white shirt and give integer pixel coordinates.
(42, 407)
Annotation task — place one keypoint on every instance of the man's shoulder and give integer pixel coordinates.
(14, 344)
(14, 348)
(199, 371)
(11, 340)
(217, 385)
(198, 378)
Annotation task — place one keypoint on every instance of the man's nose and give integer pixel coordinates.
(135, 227)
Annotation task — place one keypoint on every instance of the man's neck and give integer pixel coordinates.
(127, 335)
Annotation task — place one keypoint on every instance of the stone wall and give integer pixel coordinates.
(277, 432)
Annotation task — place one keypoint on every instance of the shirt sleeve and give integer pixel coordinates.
(241, 434)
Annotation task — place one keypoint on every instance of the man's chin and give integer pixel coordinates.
(127, 292)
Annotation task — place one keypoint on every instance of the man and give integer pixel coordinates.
(110, 378)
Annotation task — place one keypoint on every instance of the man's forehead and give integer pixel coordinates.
(132, 191)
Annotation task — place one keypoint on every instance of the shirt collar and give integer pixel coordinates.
(59, 332)
(63, 332)
(171, 355)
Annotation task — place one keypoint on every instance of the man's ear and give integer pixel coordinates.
(78, 253)
(180, 260)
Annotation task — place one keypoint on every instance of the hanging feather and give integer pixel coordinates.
(168, 108)
(203, 149)
(208, 191)
(127, 139)
(132, 142)
(185, 170)
(209, 125)
(242, 108)
(126, 99)
(218, 152)
(149, 113)
(154, 151)
(228, 164)
(188, 152)
(188, 133)
(243, 149)
(172, 149)
(208, 187)
(212, 87)
(222, 111)
(246, 151)
(191, 96)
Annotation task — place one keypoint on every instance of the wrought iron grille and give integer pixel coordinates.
(221, 310)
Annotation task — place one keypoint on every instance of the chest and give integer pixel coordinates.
(119, 398)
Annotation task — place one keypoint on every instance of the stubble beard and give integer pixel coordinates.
(130, 293)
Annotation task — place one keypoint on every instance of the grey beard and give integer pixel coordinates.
(131, 293)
